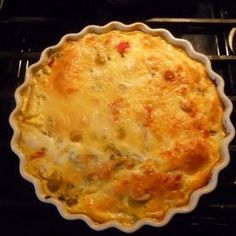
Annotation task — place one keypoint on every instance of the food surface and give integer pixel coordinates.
(120, 126)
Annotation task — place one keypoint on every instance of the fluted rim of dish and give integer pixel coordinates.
(217, 79)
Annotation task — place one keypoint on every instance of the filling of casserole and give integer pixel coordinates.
(120, 126)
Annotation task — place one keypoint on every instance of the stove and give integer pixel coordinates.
(27, 27)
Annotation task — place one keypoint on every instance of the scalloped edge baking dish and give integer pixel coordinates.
(219, 82)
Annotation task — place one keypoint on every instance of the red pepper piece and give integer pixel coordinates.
(38, 154)
(122, 47)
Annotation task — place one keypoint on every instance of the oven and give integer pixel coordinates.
(27, 27)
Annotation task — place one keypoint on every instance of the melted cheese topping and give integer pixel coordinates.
(120, 126)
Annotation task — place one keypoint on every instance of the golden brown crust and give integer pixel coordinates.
(121, 125)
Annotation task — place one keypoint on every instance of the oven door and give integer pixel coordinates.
(27, 27)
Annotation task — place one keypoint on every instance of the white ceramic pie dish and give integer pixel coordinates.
(219, 82)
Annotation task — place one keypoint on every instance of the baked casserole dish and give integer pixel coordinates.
(121, 126)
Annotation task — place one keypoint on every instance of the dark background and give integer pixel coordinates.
(27, 27)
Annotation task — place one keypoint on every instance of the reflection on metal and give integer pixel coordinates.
(27, 65)
(1, 4)
(232, 40)
(192, 21)
(195, 223)
(19, 69)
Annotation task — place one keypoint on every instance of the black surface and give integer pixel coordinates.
(27, 27)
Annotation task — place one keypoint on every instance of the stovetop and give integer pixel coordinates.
(27, 27)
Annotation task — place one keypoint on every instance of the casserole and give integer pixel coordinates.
(111, 126)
